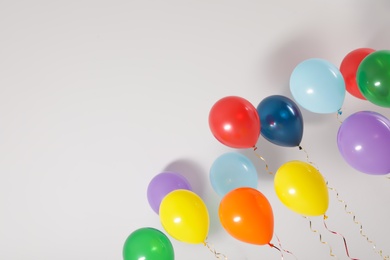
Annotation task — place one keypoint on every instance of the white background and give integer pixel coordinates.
(97, 97)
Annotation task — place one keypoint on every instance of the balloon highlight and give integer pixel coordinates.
(234, 122)
(318, 86)
(349, 67)
(148, 244)
(246, 215)
(281, 121)
(373, 78)
(185, 217)
(302, 188)
(363, 140)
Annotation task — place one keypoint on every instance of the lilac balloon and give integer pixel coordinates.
(162, 184)
(363, 140)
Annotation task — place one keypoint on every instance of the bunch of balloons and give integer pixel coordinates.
(182, 213)
(318, 86)
(363, 138)
(245, 213)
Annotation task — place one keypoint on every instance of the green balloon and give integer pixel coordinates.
(148, 244)
(373, 77)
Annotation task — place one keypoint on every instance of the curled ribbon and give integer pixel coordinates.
(212, 250)
(344, 240)
(320, 236)
(378, 251)
(261, 158)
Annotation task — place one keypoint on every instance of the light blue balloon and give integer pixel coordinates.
(318, 86)
(231, 171)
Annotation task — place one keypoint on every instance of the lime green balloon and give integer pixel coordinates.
(373, 78)
(148, 244)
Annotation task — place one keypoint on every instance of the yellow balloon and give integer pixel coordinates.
(302, 188)
(184, 216)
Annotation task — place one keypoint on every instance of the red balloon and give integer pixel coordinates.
(234, 122)
(246, 215)
(348, 69)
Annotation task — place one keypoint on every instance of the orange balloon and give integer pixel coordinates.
(246, 215)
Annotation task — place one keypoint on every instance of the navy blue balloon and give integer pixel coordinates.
(281, 121)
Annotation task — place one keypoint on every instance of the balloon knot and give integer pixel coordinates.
(339, 112)
(300, 147)
(254, 148)
(325, 216)
(271, 245)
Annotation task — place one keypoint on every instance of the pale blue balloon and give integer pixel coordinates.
(231, 171)
(318, 86)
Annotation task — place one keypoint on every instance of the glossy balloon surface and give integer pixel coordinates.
(184, 216)
(281, 121)
(318, 86)
(234, 122)
(363, 140)
(373, 78)
(148, 244)
(302, 188)
(349, 67)
(246, 215)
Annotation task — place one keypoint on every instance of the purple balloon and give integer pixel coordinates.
(363, 140)
(162, 184)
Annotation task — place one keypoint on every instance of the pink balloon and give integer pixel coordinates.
(363, 140)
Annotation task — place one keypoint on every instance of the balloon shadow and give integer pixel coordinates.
(380, 40)
(376, 30)
(192, 171)
(282, 61)
(307, 116)
(285, 57)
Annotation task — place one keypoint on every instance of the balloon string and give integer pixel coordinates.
(280, 246)
(378, 251)
(212, 250)
(339, 113)
(277, 248)
(344, 240)
(261, 158)
(320, 236)
(307, 157)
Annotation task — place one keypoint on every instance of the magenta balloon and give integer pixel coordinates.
(162, 184)
(363, 140)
